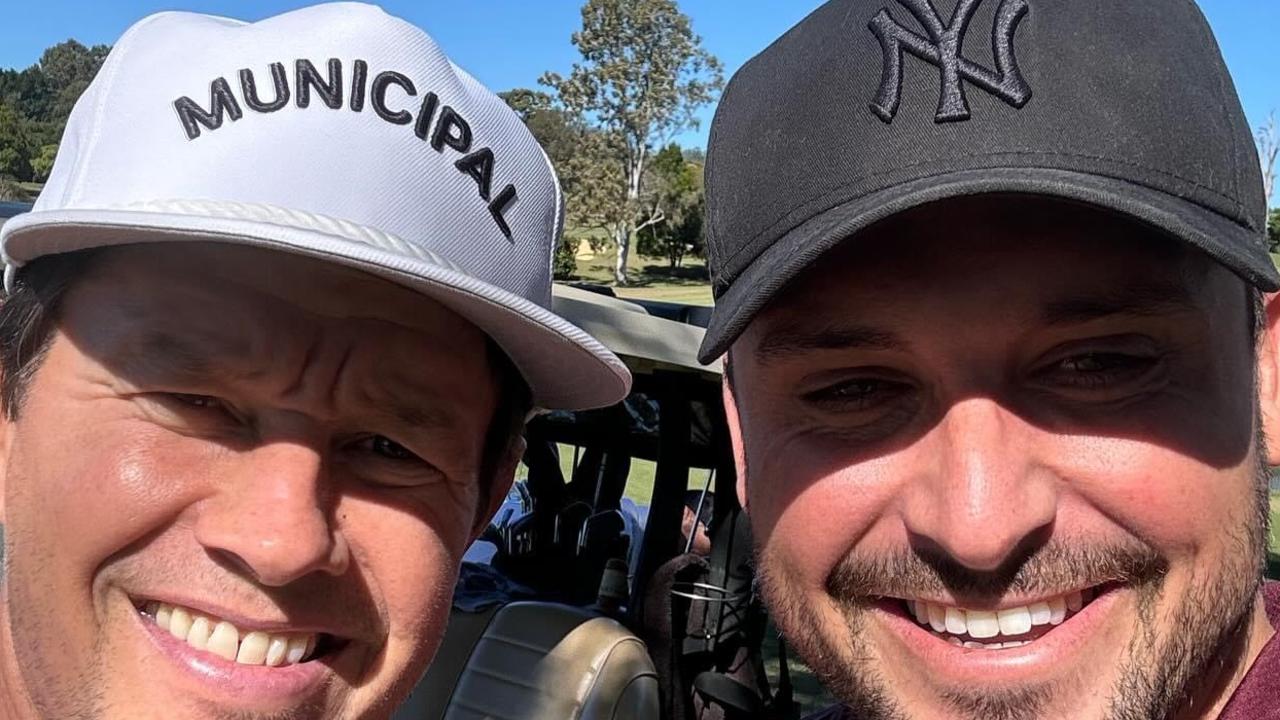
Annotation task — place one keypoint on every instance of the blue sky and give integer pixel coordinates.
(509, 43)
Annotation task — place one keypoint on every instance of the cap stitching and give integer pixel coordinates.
(1235, 204)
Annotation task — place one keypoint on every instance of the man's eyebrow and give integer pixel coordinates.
(1144, 300)
(782, 343)
(172, 354)
(424, 415)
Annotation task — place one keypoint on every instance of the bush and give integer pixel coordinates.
(42, 164)
(564, 264)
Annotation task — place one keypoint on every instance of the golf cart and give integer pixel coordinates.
(592, 600)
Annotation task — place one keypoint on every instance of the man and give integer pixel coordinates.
(1003, 380)
(270, 337)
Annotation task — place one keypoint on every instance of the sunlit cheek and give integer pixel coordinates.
(1179, 504)
(411, 556)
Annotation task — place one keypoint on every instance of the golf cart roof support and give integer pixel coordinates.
(671, 479)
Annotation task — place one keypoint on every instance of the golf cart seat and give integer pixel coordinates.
(536, 661)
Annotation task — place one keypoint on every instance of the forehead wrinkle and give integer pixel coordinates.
(181, 355)
(408, 404)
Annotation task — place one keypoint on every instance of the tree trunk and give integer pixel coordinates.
(621, 238)
(622, 235)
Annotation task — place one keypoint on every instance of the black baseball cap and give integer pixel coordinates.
(870, 107)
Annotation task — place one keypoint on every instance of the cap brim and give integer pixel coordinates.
(566, 368)
(1224, 240)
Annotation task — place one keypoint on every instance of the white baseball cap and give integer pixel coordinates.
(336, 132)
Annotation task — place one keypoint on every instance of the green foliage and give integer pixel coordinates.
(35, 104)
(15, 144)
(643, 76)
(564, 263)
(676, 191)
(1273, 230)
(42, 164)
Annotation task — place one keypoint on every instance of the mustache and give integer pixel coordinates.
(1049, 569)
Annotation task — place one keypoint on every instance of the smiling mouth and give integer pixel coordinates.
(1001, 629)
(223, 639)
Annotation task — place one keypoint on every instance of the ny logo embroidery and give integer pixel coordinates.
(942, 48)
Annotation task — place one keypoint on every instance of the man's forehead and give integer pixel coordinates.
(1046, 262)
(234, 276)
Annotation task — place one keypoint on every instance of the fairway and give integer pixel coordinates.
(650, 278)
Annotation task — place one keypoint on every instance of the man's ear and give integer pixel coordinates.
(1268, 353)
(504, 475)
(735, 440)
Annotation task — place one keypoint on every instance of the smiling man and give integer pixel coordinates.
(267, 346)
(1004, 369)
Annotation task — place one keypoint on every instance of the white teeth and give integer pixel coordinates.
(1014, 621)
(1041, 613)
(179, 623)
(276, 650)
(982, 624)
(253, 649)
(225, 640)
(937, 617)
(1009, 622)
(921, 611)
(297, 649)
(1057, 610)
(198, 636)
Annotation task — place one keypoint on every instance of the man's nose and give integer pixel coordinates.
(271, 517)
(980, 495)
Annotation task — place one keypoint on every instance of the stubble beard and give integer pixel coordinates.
(1159, 679)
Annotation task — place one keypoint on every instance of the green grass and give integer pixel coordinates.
(651, 278)
(1275, 534)
(639, 481)
(1275, 521)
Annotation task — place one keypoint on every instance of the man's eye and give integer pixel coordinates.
(385, 447)
(858, 394)
(1100, 369)
(204, 402)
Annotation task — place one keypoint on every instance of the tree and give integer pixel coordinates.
(35, 103)
(643, 76)
(28, 92)
(69, 67)
(1268, 148)
(42, 163)
(15, 145)
(675, 191)
(560, 135)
